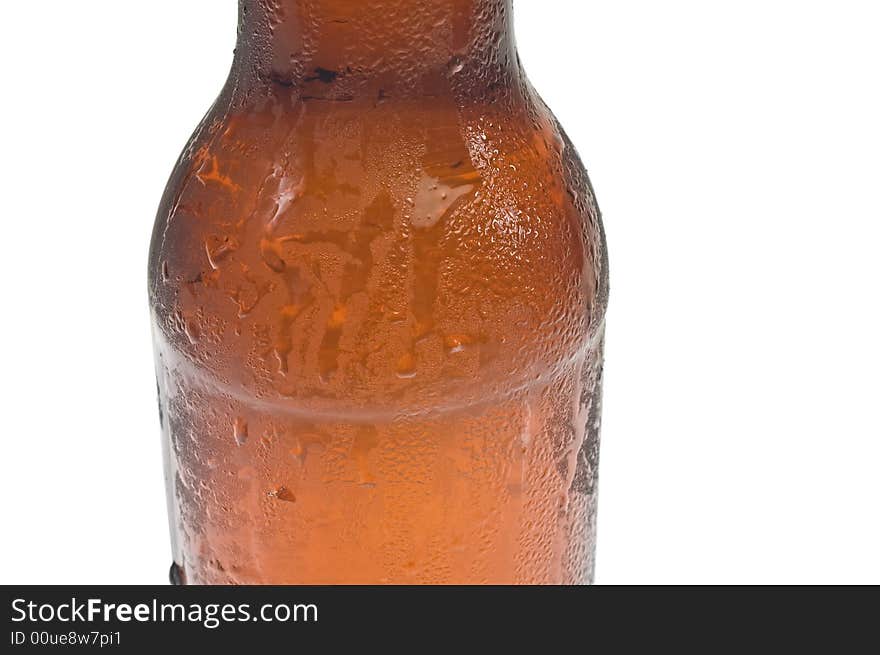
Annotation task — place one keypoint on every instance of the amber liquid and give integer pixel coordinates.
(378, 317)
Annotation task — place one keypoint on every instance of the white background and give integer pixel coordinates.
(735, 149)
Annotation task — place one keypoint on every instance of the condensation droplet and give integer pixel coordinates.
(283, 493)
(406, 366)
(240, 431)
(456, 343)
(192, 331)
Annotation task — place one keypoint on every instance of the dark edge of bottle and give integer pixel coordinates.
(175, 575)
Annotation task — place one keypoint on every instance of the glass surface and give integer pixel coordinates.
(378, 283)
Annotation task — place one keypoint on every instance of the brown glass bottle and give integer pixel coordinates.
(378, 283)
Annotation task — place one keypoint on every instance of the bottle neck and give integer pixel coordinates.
(347, 47)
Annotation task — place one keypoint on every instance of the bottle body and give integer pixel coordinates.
(378, 308)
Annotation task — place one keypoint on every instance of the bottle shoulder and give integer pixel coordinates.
(323, 160)
(330, 249)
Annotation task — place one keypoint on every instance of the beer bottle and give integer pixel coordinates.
(378, 283)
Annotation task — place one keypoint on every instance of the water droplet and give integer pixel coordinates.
(456, 343)
(240, 431)
(337, 318)
(283, 493)
(406, 366)
(191, 329)
(270, 251)
(296, 450)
